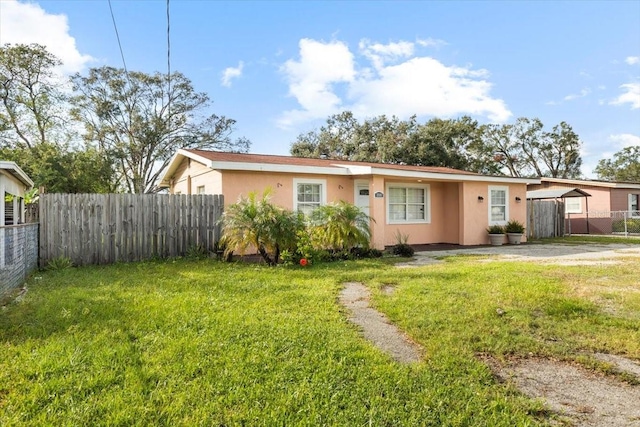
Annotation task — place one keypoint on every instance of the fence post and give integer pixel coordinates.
(624, 218)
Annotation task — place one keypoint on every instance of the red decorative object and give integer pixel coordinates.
(303, 262)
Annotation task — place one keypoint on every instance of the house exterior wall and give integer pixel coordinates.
(474, 214)
(241, 183)
(456, 215)
(620, 198)
(191, 175)
(10, 185)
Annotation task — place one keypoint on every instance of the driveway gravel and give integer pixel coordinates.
(557, 253)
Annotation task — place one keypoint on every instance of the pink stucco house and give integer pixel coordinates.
(430, 204)
(608, 201)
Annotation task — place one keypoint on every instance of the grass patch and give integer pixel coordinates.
(207, 343)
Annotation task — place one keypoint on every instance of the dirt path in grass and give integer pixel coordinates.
(583, 398)
(375, 325)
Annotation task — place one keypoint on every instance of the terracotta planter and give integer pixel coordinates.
(496, 239)
(514, 238)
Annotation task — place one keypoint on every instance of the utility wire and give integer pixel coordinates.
(169, 60)
(115, 27)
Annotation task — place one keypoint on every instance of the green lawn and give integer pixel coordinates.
(213, 344)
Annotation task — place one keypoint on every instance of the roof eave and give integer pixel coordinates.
(340, 169)
(445, 176)
(17, 172)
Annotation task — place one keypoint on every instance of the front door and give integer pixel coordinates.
(362, 196)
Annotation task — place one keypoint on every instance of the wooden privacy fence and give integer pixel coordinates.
(545, 218)
(108, 228)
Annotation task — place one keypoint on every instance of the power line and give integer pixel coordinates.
(169, 60)
(115, 27)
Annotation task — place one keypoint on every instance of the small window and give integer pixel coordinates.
(364, 192)
(573, 205)
(498, 206)
(634, 204)
(309, 195)
(200, 189)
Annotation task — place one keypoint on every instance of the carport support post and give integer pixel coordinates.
(587, 209)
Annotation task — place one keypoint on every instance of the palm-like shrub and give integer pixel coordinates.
(339, 227)
(257, 223)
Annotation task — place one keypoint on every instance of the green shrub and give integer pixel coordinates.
(402, 248)
(256, 222)
(339, 227)
(60, 263)
(196, 252)
(513, 226)
(633, 225)
(495, 229)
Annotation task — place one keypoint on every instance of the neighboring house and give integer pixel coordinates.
(14, 183)
(608, 201)
(429, 204)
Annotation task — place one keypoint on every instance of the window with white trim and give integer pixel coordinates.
(309, 194)
(573, 205)
(200, 189)
(498, 205)
(407, 203)
(634, 204)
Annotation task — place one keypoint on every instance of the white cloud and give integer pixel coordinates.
(625, 140)
(631, 95)
(311, 79)
(632, 60)
(584, 92)
(400, 84)
(28, 23)
(379, 54)
(431, 42)
(231, 73)
(426, 87)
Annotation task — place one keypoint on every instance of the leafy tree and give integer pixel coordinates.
(34, 125)
(340, 227)
(142, 119)
(625, 166)
(525, 149)
(30, 111)
(441, 142)
(61, 170)
(391, 140)
(258, 223)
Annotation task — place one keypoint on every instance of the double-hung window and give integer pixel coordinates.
(573, 205)
(407, 203)
(498, 205)
(634, 205)
(309, 194)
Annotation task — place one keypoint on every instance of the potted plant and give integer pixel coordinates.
(514, 230)
(496, 234)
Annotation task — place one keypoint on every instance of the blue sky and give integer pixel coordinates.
(280, 68)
